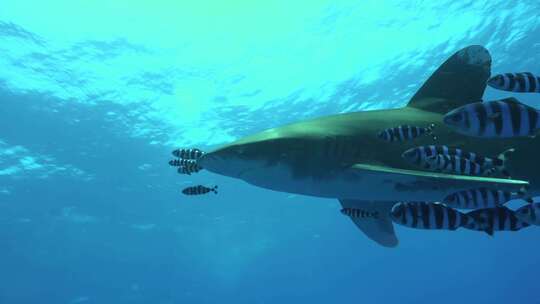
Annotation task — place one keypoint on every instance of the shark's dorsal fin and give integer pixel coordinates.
(460, 80)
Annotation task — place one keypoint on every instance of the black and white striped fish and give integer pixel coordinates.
(418, 155)
(189, 168)
(495, 119)
(530, 213)
(359, 213)
(480, 198)
(496, 219)
(428, 216)
(457, 165)
(524, 82)
(181, 162)
(198, 190)
(188, 153)
(405, 132)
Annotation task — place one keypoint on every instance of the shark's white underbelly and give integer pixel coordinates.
(365, 184)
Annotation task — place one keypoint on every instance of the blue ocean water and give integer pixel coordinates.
(94, 95)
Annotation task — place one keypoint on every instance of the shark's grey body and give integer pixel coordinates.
(341, 157)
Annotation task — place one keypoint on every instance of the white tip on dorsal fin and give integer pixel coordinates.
(379, 229)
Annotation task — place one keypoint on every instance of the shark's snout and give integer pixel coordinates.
(213, 162)
(231, 161)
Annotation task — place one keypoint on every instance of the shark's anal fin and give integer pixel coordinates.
(458, 81)
(379, 229)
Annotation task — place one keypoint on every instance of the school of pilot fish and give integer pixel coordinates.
(487, 212)
(494, 119)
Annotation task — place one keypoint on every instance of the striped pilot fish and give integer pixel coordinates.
(496, 219)
(516, 82)
(494, 119)
(198, 190)
(423, 215)
(418, 155)
(182, 162)
(359, 213)
(189, 168)
(188, 153)
(530, 213)
(457, 165)
(481, 198)
(405, 132)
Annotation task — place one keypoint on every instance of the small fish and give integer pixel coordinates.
(359, 213)
(189, 168)
(530, 213)
(405, 132)
(182, 162)
(456, 165)
(188, 153)
(524, 82)
(423, 215)
(480, 198)
(198, 190)
(183, 170)
(496, 219)
(418, 155)
(503, 118)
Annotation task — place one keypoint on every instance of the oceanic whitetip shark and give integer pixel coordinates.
(340, 156)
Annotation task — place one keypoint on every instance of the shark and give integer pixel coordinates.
(340, 156)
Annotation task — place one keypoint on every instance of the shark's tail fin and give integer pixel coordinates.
(214, 189)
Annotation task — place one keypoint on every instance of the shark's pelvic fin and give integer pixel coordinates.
(459, 80)
(380, 228)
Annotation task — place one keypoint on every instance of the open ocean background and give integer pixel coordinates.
(95, 94)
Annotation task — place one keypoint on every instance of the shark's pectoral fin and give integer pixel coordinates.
(379, 229)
